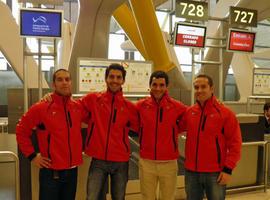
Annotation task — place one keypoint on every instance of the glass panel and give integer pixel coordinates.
(47, 62)
(163, 20)
(115, 51)
(3, 63)
(32, 43)
(15, 10)
(183, 55)
(138, 56)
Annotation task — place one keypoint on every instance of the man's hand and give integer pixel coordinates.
(47, 97)
(41, 162)
(223, 178)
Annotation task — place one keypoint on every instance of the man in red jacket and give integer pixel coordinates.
(58, 127)
(213, 144)
(111, 117)
(159, 119)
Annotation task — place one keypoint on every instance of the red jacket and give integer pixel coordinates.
(159, 127)
(111, 117)
(213, 138)
(58, 130)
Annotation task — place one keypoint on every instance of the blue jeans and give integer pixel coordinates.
(99, 171)
(196, 184)
(57, 185)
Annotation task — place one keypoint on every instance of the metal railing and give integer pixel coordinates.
(17, 179)
(265, 145)
(264, 183)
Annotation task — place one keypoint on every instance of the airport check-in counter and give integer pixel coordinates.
(251, 171)
(9, 167)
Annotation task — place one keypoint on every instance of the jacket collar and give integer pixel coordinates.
(117, 94)
(163, 98)
(60, 99)
(212, 101)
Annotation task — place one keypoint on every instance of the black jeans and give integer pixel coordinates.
(57, 184)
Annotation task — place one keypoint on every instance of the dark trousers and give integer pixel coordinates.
(199, 183)
(97, 177)
(57, 184)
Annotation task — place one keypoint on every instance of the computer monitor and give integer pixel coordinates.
(41, 23)
(241, 41)
(190, 35)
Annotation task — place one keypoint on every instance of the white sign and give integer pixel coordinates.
(92, 75)
(261, 81)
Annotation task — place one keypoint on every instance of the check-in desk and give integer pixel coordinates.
(3, 125)
(9, 168)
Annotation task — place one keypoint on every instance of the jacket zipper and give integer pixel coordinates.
(68, 126)
(161, 115)
(70, 120)
(156, 132)
(198, 139)
(90, 134)
(173, 138)
(141, 136)
(204, 120)
(125, 140)
(114, 115)
(218, 151)
(49, 141)
(109, 127)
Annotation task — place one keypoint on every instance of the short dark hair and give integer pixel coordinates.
(266, 106)
(115, 66)
(210, 80)
(159, 74)
(64, 70)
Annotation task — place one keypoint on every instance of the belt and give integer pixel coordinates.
(57, 173)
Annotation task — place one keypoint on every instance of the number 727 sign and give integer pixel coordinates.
(192, 10)
(243, 16)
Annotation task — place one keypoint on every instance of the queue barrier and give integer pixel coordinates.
(260, 184)
(14, 156)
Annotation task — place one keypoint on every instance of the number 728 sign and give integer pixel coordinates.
(243, 16)
(193, 10)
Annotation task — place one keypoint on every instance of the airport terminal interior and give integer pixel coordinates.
(228, 40)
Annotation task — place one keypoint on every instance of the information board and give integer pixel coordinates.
(189, 35)
(239, 40)
(261, 81)
(91, 75)
(41, 23)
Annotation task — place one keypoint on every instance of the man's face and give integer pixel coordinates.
(158, 87)
(267, 113)
(115, 80)
(202, 89)
(62, 83)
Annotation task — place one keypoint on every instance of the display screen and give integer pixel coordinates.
(40, 23)
(190, 35)
(242, 41)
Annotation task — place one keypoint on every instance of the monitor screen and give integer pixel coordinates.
(40, 23)
(189, 35)
(242, 41)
